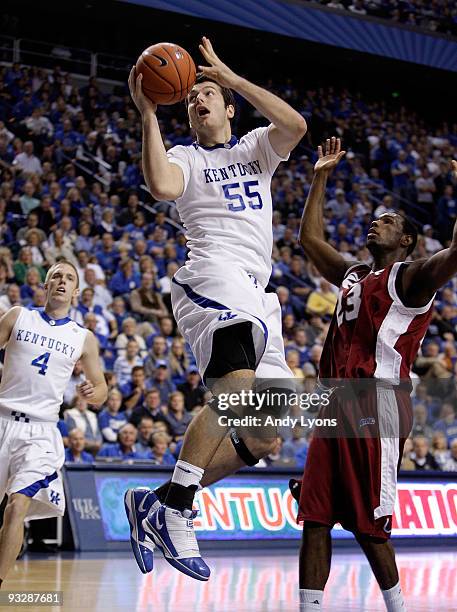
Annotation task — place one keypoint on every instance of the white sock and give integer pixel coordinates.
(187, 474)
(310, 600)
(393, 598)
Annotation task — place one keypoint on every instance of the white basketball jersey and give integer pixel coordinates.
(226, 206)
(39, 360)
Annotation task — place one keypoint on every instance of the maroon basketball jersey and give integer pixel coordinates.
(372, 334)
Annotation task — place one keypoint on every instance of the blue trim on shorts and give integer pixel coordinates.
(33, 489)
(198, 299)
(265, 335)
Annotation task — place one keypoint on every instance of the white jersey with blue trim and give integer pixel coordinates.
(226, 206)
(39, 360)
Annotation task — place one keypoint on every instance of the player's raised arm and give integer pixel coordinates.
(94, 389)
(164, 179)
(288, 126)
(331, 265)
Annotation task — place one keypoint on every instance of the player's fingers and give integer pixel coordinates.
(341, 154)
(319, 151)
(327, 146)
(205, 53)
(333, 144)
(138, 84)
(338, 145)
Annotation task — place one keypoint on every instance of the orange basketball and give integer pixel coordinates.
(168, 73)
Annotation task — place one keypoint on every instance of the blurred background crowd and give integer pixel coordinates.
(71, 186)
(436, 16)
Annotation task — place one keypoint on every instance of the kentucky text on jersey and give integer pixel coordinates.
(24, 335)
(215, 175)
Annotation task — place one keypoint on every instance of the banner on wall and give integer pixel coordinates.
(247, 507)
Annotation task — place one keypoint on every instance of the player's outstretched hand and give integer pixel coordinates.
(143, 104)
(454, 167)
(216, 70)
(86, 390)
(329, 158)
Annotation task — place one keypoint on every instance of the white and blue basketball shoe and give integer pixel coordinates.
(138, 502)
(173, 533)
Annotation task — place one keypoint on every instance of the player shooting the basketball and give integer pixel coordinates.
(222, 190)
(382, 315)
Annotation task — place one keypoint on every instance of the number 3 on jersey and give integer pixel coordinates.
(42, 363)
(232, 193)
(352, 299)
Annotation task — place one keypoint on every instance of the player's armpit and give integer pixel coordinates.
(7, 322)
(93, 371)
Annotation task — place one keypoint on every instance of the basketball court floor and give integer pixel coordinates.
(241, 582)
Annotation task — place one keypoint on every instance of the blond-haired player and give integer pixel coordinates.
(41, 349)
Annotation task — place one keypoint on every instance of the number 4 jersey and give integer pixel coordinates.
(226, 205)
(372, 333)
(39, 360)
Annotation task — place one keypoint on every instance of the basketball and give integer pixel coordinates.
(168, 73)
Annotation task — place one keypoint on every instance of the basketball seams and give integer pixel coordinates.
(175, 81)
(175, 65)
(159, 76)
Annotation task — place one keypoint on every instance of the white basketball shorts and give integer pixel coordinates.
(31, 456)
(208, 297)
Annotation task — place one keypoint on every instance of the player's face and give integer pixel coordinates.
(62, 286)
(206, 107)
(386, 233)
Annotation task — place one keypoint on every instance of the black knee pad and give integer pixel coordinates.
(242, 450)
(232, 350)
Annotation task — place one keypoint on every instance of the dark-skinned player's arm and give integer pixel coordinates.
(165, 180)
(421, 279)
(94, 389)
(287, 126)
(331, 265)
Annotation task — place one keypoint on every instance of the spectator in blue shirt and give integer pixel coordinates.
(177, 416)
(145, 430)
(160, 454)
(161, 381)
(447, 423)
(110, 420)
(75, 452)
(125, 447)
(107, 255)
(125, 279)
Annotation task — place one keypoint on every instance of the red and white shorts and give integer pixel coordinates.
(350, 475)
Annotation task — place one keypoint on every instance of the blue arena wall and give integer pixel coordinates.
(252, 507)
(368, 35)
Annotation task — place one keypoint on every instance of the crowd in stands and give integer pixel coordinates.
(71, 187)
(436, 15)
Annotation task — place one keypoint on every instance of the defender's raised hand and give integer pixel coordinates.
(329, 158)
(216, 70)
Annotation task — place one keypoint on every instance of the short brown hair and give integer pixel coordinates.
(58, 263)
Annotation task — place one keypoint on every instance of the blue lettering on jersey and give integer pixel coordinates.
(50, 343)
(216, 175)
